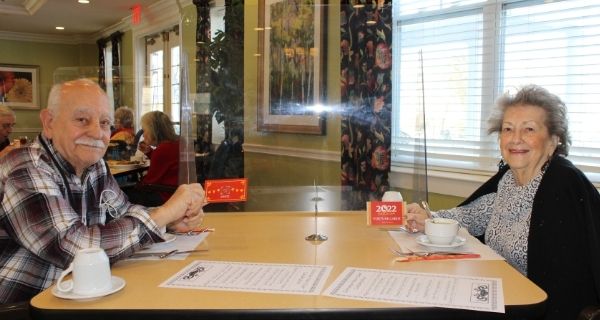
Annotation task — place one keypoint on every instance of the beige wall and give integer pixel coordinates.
(49, 57)
(127, 75)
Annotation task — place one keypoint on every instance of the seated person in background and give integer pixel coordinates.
(58, 197)
(123, 125)
(539, 211)
(161, 145)
(7, 122)
(122, 139)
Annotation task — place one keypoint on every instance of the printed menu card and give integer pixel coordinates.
(440, 290)
(252, 277)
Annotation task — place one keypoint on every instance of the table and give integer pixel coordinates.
(293, 198)
(278, 237)
(119, 172)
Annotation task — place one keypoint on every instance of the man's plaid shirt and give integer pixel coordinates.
(44, 226)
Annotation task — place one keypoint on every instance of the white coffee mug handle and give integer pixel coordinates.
(60, 280)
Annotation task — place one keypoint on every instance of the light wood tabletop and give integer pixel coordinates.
(278, 237)
(120, 171)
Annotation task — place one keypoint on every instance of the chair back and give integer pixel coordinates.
(15, 311)
(590, 313)
(118, 150)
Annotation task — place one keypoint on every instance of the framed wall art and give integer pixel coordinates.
(19, 86)
(291, 69)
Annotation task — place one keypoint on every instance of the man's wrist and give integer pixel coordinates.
(160, 218)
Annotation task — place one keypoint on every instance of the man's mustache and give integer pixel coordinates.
(91, 142)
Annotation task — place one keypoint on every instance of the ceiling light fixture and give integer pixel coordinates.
(60, 28)
(83, 1)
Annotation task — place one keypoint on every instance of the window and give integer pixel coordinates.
(452, 58)
(162, 89)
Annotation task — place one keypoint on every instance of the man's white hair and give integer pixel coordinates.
(54, 98)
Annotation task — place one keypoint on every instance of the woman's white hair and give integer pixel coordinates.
(534, 95)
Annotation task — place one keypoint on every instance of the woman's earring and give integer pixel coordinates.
(501, 164)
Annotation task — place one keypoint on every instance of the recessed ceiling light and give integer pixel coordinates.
(83, 1)
(60, 28)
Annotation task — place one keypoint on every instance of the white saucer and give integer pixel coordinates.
(458, 241)
(116, 285)
(169, 237)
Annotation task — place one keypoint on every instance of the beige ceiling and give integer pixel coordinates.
(40, 17)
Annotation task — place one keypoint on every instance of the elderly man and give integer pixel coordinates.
(7, 122)
(58, 197)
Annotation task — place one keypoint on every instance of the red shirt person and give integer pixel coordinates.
(161, 145)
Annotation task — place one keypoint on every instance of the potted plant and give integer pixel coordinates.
(227, 91)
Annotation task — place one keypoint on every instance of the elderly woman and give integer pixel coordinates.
(539, 211)
(161, 145)
(123, 125)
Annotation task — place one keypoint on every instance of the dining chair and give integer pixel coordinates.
(134, 191)
(15, 311)
(590, 313)
(138, 137)
(117, 150)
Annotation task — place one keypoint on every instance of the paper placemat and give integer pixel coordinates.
(181, 243)
(427, 289)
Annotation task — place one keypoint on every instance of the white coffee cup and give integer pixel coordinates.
(91, 273)
(392, 196)
(441, 231)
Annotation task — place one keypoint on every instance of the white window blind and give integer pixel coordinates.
(453, 58)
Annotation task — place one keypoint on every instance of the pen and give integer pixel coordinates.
(425, 206)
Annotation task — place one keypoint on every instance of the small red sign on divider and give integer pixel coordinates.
(226, 190)
(386, 213)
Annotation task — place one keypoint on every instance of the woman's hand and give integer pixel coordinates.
(415, 217)
(144, 147)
